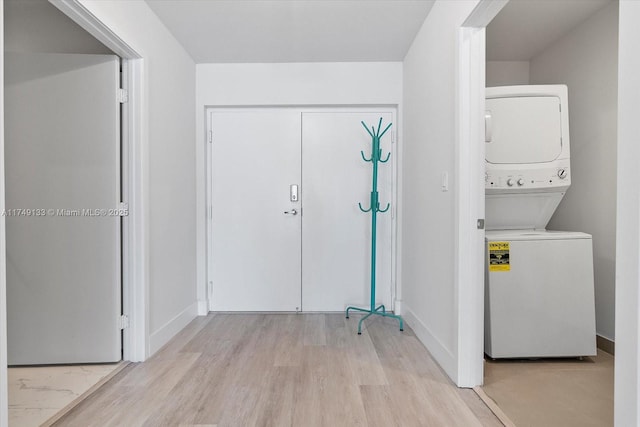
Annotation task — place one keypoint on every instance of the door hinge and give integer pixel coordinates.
(123, 321)
(123, 96)
(123, 209)
(480, 224)
(210, 136)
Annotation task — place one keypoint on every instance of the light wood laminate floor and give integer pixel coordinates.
(284, 370)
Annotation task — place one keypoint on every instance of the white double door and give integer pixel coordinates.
(285, 230)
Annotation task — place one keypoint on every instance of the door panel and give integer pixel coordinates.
(62, 160)
(336, 235)
(255, 246)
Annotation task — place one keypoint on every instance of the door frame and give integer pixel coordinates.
(4, 398)
(135, 183)
(396, 287)
(627, 371)
(470, 168)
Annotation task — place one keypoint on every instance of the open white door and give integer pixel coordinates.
(62, 160)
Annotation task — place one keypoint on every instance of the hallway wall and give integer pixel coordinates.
(169, 127)
(429, 219)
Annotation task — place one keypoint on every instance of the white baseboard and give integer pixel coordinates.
(171, 328)
(203, 307)
(397, 307)
(440, 353)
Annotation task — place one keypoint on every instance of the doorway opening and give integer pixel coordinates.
(578, 48)
(60, 42)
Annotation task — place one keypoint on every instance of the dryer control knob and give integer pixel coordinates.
(562, 173)
(510, 182)
(521, 181)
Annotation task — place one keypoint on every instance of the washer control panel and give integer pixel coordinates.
(532, 179)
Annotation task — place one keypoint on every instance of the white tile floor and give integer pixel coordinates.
(553, 392)
(38, 393)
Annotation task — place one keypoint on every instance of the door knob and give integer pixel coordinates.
(291, 212)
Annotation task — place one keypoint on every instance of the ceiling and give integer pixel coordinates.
(224, 31)
(523, 28)
(242, 31)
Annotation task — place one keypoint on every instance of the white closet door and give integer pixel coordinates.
(62, 160)
(336, 235)
(255, 259)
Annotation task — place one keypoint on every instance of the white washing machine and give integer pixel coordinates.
(539, 302)
(539, 294)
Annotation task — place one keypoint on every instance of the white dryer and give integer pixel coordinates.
(539, 294)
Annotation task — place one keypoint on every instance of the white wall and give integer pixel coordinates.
(507, 73)
(169, 127)
(38, 26)
(586, 60)
(428, 214)
(312, 84)
(627, 370)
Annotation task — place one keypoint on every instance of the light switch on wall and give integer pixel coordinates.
(445, 181)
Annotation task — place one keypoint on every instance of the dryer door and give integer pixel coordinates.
(525, 129)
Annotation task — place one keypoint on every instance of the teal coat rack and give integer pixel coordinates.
(374, 208)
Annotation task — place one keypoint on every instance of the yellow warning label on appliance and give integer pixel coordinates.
(499, 256)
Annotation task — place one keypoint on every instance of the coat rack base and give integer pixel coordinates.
(379, 311)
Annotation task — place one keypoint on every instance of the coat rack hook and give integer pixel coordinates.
(363, 210)
(385, 130)
(385, 160)
(383, 210)
(365, 126)
(364, 158)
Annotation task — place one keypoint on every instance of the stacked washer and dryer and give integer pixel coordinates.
(539, 291)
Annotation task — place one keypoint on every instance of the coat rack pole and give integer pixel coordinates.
(374, 208)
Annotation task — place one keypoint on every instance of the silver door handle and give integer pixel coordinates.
(291, 212)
